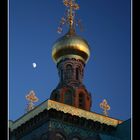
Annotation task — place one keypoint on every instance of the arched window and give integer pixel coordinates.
(59, 136)
(68, 97)
(81, 100)
(77, 74)
(69, 71)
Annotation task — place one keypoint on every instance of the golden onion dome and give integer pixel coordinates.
(70, 46)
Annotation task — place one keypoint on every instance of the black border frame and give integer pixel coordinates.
(135, 69)
(4, 69)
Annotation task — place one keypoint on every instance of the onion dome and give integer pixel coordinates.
(71, 46)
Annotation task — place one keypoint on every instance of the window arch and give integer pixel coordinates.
(69, 71)
(68, 97)
(81, 100)
(59, 136)
(77, 74)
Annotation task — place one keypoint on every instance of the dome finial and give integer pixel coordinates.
(69, 17)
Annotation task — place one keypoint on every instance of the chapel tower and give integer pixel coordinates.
(67, 115)
(71, 53)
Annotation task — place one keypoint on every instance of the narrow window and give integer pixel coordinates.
(69, 71)
(77, 74)
(81, 100)
(68, 97)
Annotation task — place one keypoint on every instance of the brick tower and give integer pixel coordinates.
(70, 53)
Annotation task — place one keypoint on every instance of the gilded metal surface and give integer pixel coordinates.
(31, 97)
(82, 113)
(104, 105)
(66, 109)
(68, 43)
(69, 17)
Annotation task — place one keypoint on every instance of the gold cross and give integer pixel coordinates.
(105, 107)
(31, 97)
(73, 6)
(69, 15)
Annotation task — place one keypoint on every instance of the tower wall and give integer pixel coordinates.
(71, 89)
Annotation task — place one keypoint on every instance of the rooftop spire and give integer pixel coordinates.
(69, 17)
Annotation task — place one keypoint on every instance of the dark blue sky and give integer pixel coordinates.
(32, 32)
